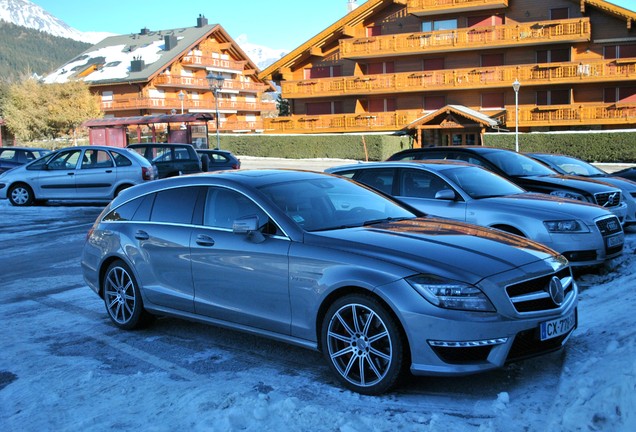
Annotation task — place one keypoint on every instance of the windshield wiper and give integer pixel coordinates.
(388, 219)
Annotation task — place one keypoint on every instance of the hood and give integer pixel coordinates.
(430, 245)
(576, 183)
(542, 207)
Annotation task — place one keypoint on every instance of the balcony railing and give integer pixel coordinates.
(429, 7)
(169, 104)
(572, 115)
(535, 33)
(463, 79)
(379, 121)
(213, 63)
(202, 83)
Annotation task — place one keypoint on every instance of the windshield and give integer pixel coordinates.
(575, 166)
(517, 165)
(332, 203)
(480, 183)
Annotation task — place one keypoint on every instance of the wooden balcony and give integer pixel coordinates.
(169, 104)
(570, 73)
(177, 81)
(432, 7)
(336, 123)
(213, 63)
(572, 115)
(534, 33)
(237, 126)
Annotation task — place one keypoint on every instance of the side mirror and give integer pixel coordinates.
(445, 194)
(248, 225)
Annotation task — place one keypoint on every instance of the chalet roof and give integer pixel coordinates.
(459, 110)
(342, 27)
(109, 61)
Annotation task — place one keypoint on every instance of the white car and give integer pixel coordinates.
(76, 173)
(586, 234)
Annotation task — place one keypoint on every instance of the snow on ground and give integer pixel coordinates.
(110, 383)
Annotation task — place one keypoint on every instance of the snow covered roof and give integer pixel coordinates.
(110, 60)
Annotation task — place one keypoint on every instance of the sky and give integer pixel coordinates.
(279, 24)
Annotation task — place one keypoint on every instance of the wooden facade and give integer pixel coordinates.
(389, 63)
(164, 72)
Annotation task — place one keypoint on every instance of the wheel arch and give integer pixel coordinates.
(509, 229)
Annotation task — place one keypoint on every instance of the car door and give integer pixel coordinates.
(96, 176)
(418, 188)
(238, 278)
(161, 233)
(57, 178)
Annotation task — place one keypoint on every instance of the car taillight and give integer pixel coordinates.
(236, 165)
(147, 173)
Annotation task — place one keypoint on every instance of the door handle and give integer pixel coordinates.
(70, 173)
(109, 171)
(205, 240)
(141, 235)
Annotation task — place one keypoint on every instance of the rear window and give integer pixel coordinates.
(175, 205)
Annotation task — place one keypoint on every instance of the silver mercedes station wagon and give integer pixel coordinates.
(322, 262)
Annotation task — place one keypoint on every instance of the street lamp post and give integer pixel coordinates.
(515, 86)
(216, 83)
(181, 96)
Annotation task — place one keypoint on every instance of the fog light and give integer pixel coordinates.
(468, 344)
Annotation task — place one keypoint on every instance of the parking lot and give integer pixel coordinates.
(66, 367)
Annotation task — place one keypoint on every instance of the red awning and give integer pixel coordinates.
(150, 119)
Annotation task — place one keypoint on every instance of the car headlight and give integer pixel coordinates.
(450, 294)
(568, 194)
(565, 226)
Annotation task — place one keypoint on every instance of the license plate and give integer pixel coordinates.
(615, 241)
(557, 327)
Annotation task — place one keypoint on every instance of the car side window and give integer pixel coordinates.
(66, 160)
(135, 210)
(94, 159)
(9, 155)
(420, 184)
(120, 159)
(380, 179)
(224, 206)
(175, 205)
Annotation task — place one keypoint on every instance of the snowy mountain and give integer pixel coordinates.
(27, 14)
(261, 55)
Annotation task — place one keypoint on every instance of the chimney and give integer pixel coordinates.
(137, 64)
(201, 21)
(170, 41)
(351, 5)
(144, 31)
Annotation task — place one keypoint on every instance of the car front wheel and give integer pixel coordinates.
(123, 298)
(363, 344)
(21, 195)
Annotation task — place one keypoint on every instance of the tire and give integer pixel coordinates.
(363, 344)
(120, 189)
(21, 195)
(122, 297)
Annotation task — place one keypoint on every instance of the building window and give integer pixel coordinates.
(432, 103)
(492, 100)
(553, 97)
(324, 108)
(449, 24)
(488, 60)
(380, 68)
(374, 31)
(553, 56)
(619, 51)
(430, 64)
(322, 72)
(559, 13)
(619, 95)
(485, 21)
(382, 105)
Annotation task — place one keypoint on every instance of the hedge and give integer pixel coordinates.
(378, 147)
(591, 146)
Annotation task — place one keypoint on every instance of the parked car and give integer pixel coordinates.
(170, 159)
(568, 165)
(627, 173)
(322, 262)
(218, 160)
(527, 173)
(76, 173)
(11, 157)
(584, 233)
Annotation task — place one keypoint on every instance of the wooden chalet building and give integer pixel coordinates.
(158, 73)
(443, 70)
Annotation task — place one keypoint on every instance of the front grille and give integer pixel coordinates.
(608, 199)
(609, 225)
(533, 295)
